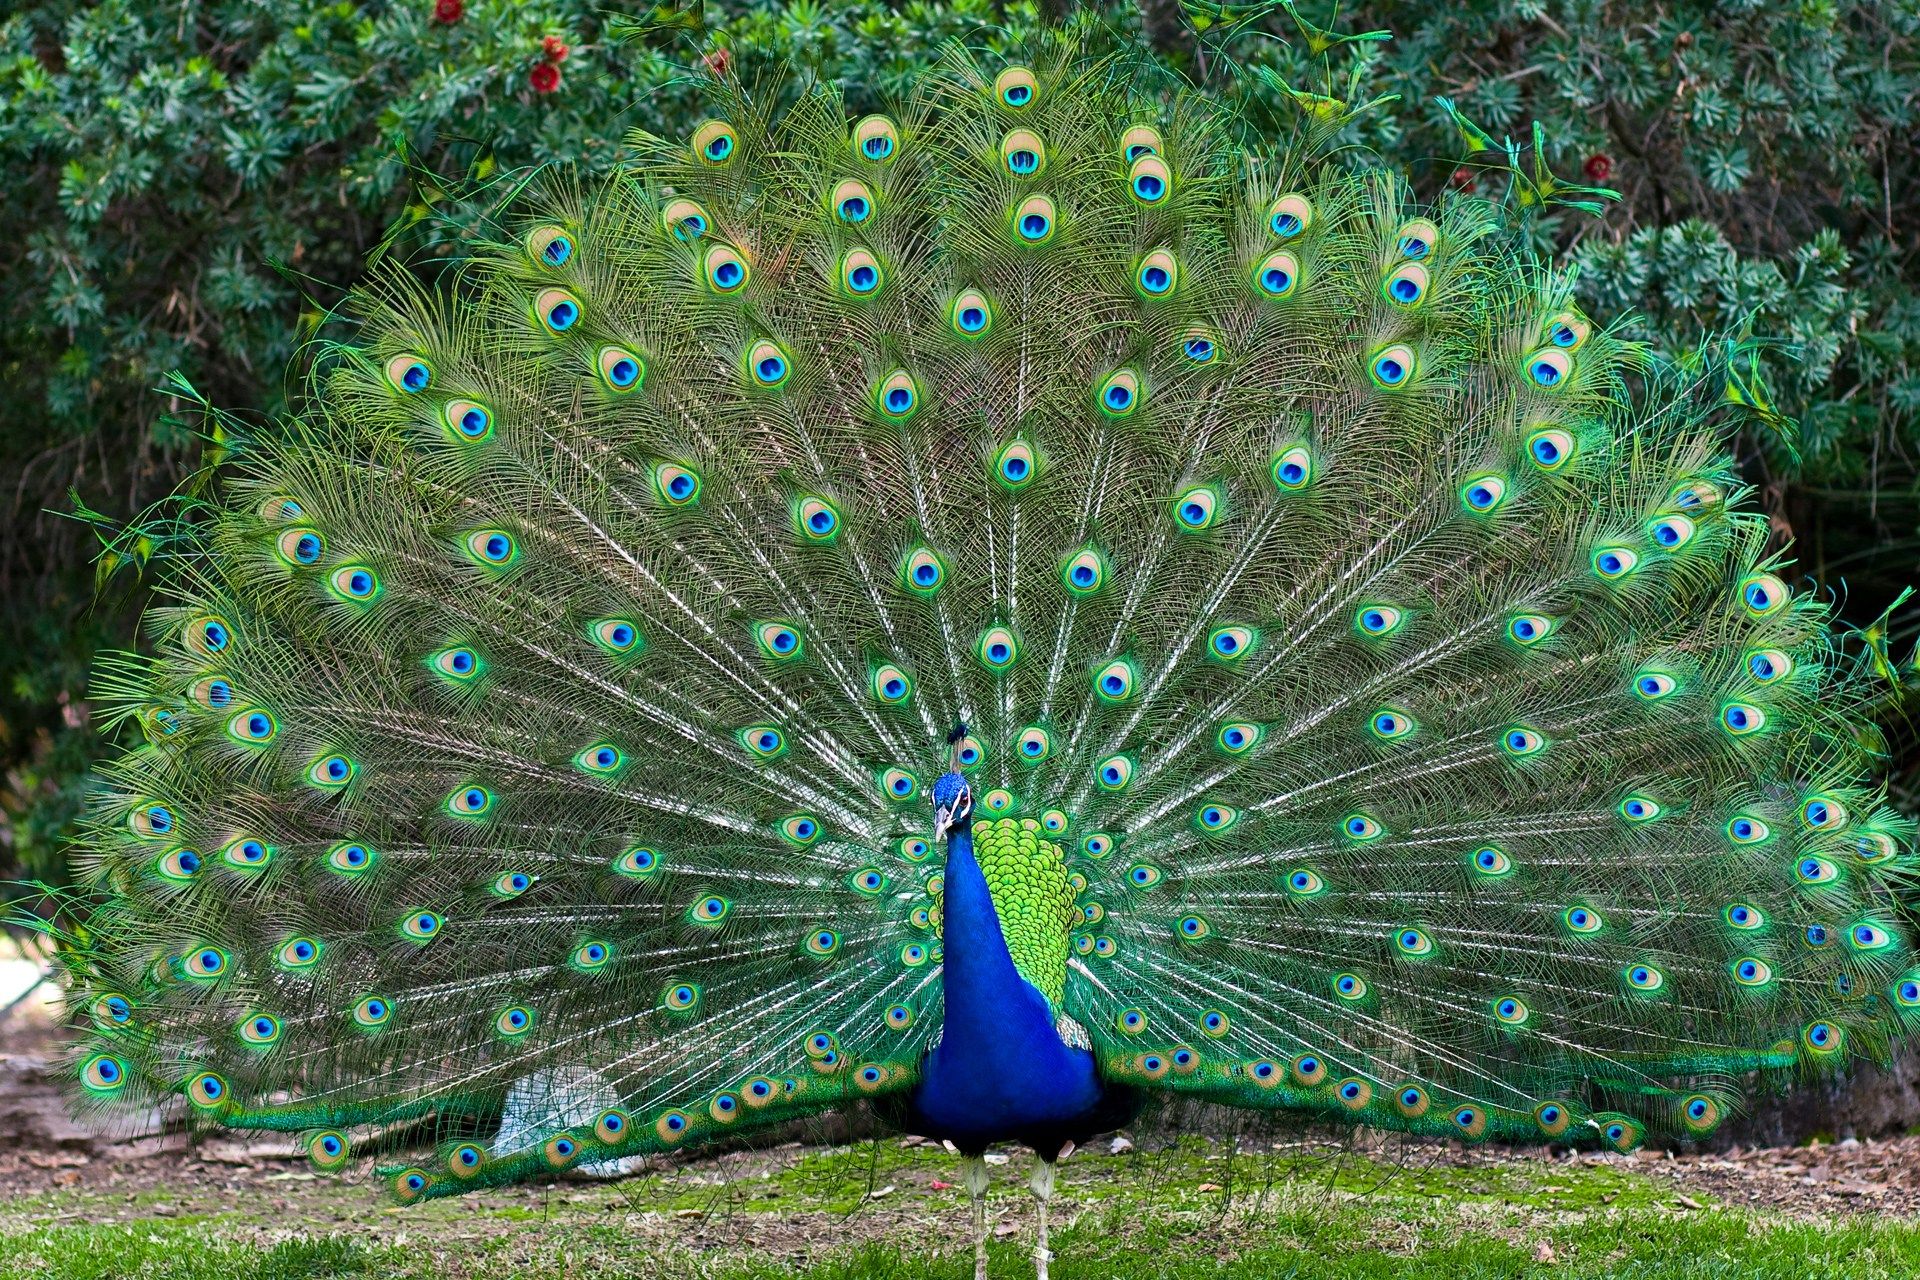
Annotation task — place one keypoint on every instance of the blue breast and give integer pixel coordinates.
(1000, 1071)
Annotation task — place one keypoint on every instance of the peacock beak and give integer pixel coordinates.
(947, 817)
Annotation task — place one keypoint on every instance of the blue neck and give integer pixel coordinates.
(1000, 1070)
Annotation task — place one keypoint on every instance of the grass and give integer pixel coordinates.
(1194, 1212)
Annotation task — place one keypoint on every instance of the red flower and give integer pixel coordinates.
(449, 11)
(544, 78)
(1598, 168)
(1463, 177)
(555, 50)
(717, 62)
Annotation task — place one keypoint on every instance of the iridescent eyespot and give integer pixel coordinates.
(409, 374)
(1490, 860)
(207, 1091)
(1195, 508)
(1567, 331)
(1033, 220)
(516, 1021)
(1144, 875)
(715, 142)
(327, 1150)
(1410, 941)
(1692, 495)
(801, 829)
(1016, 465)
(1406, 286)
(1769, 665)
(1751, 971)
(876, 138)
(557, 310)
(1375, 620)
(1276, 275)
(1551, 449)
(913, 955)
(298, 953)
(726, 271)
(103, 1073)
(1158, 273)
(1906, 993)
(206, 962)
(332, 772)
(1823, 813)
(868, 881)
(860, 273)
(680, 996)
(494, 548)
(1411, 1101)
(1016, 87)
(350, 858)
(685, 220)
(1518, 740)
(1023, 154)
(969, 752)
(1289, 216)
(1549, 368)
(469, 802)
(677, 486)
(1582, 920)
(1700, 1113)
(1309, 1070)
(1417, 239)
(602, 760)
(1818, 936)
(300, 546)
(1034, 745)
(1304, 883)
(617, 636)
(1615, 563)
(1529, 628)
(611, 1127)
(1483, 493)
(254, 728)
(1349, 986)
(998, 800)
(1085, 572)
(890, 684)
(464, 1161)
(152, 821)
(1120, 394)
(372, 1011)
(1215, 817)
(1199, 346)
(1651, 686)
(768, 364)
(1231, 644)
(258, 1029)
(1393, 367)
(1389, 724)
(112, 1010)
(1671, 532)
(1823, 1038)
(512, 884)
(817, 519)
(1292, 468)
(1358, 826)
(1238, 737)
(899, 784)
(462, 665)
(1867, 936)
(1104, 946)
(640, 863)
(1742, 915)
(1875, 846)
(354, 582)
(1149, 180)
(971, 314)
(421, 926)
(1762, 595)
(1511, 1010)
(997, 649)
(1742, 718)
(1643, 977)
(780, 641)
(897, 395)
(1113, 773)
(179, 864)
(922, 571)
(1097, 844)
(1353, 1094)
(1139, 140)
(1054, 821)
(549, 246)
(913, 849)
(899, 1017)
(1114, 682)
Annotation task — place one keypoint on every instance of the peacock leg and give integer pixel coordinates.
(973, 1171)
(1041, 1183)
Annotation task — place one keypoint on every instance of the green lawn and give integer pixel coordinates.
(1189, 1213)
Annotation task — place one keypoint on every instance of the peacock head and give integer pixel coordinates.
(952, 804)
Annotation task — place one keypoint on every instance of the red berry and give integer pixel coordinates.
(449, 11)
(555, 50)
(544, 78)
(1599, 168)
(718, 61)
(1463, 177)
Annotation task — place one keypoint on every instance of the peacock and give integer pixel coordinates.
(996, 612)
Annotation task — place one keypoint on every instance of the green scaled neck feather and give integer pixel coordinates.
(1385, 707)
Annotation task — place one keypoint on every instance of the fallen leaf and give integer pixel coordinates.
(942, 1186)
(1209, 1186)
(1543, 1253)
(1689, 1201)
(880, 1193)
